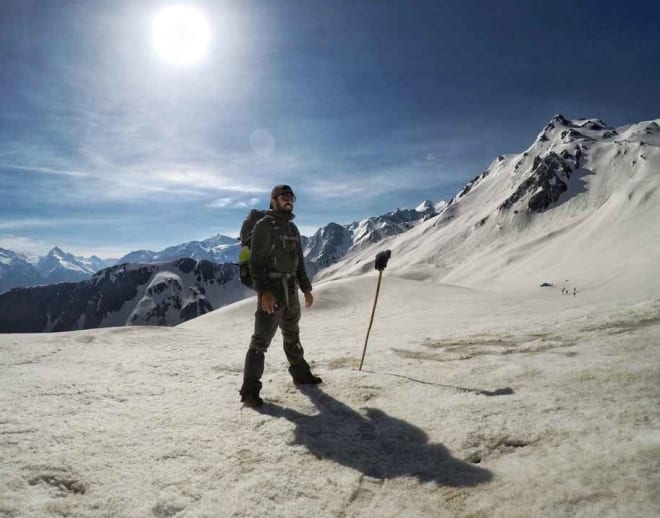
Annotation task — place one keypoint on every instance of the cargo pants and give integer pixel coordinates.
(286, 317)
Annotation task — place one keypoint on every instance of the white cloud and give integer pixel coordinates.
(353, 188)
(224, 203)
(45, 170)
(24, 245)
(34, 247)
(200, 179)
(25, 223)
(15, 224)
(220, 203)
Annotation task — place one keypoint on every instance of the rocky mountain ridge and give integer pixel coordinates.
(218, 249)
(330, 243)
(19, 270)
(126, 294)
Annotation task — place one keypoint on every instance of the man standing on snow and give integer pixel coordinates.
(277, 270)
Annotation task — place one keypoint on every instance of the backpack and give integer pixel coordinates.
(246, 239)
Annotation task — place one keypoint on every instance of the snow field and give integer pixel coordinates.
(146, 421)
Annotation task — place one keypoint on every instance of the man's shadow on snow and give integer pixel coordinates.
(376, 445)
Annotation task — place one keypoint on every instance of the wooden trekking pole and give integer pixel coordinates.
(381, 263)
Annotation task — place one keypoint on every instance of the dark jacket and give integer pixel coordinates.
(276, 248)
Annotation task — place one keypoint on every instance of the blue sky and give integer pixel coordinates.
(361, 106)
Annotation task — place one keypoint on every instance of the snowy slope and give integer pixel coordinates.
(471, 403)
(582, 204)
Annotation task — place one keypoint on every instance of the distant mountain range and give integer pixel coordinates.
(327, 246)
(19, 270)
(62, 292)
(217, 249)
(332, 242)
(127, 294)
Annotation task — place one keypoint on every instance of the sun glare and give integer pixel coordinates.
(181, 35)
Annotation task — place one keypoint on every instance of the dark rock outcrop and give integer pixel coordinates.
(547, 181)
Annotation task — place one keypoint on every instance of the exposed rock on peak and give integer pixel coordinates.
(560, 120)
(547, 181)
(593, 124)
(652, 128)
(571, 135)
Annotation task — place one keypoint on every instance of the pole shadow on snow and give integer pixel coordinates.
(506, 391)
(376, 445)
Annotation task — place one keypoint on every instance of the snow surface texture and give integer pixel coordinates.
(470, 403)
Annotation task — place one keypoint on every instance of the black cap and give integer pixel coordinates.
(281, 189)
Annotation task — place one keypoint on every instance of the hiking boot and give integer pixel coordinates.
(302, 375)
(251, 399)
(311, 379)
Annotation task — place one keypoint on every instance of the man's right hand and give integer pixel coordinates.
(268, 303)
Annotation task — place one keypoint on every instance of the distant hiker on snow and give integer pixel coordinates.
(277, 270)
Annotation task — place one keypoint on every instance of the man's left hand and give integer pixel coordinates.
(309, 299)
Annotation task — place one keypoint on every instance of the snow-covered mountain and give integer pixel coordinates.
(19, 270)
(330, 243)
(127, 294)
(217, 249)
(60, 266)
(15, 271)
(561, 210)
(95, 263)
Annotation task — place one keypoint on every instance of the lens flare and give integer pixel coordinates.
(262, 143)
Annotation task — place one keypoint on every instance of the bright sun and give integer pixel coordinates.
(181, 35)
